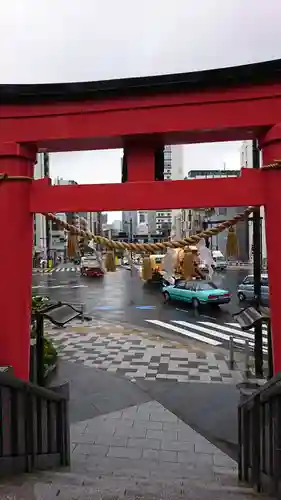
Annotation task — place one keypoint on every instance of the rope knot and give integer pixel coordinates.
(3, 177)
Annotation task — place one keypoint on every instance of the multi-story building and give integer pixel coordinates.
(58, 239)
(173, 170)
(40, 227)
(130, 223)
(246, 160)
(197, 220)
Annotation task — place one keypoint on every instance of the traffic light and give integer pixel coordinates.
(124, 169)
(159, 164)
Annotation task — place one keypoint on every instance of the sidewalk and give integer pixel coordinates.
(126, 446)
(189, 380)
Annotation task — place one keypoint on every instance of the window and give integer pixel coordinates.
(264, 281)
(222, 210)
(249, 280)
(180, 284)
(56, 226)
(158, 260)
(207, 286)
(142, 218)
(190, 286)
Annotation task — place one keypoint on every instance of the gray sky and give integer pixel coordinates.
(70, 40)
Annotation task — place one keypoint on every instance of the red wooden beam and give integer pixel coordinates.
(188, 116)
(228, 192)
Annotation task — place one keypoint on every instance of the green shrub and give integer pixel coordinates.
(38, 301)
(50, 352)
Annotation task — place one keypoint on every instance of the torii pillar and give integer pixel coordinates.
(270, 144)
(16, 257)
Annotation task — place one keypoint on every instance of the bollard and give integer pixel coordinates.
(231, 353)
(82, 313)
(247, 360)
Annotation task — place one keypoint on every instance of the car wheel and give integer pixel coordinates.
(167, 297)
(241, 296)
(195, 303)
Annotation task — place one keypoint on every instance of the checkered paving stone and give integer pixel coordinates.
(138, 355)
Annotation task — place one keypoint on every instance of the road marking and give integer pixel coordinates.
(145, 307)
(237, 331)
(217, 331)
(202, 329)
(103, 308)
(182, 331)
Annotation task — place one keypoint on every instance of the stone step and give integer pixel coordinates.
(71, 486)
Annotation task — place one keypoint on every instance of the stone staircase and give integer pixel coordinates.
(139, 453)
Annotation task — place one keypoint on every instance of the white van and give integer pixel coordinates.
(219, 260)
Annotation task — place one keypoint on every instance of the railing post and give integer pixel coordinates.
(63, 424)
(231, 353)
(256, 449)
(247, 360)
(82, 313)
(269, 349)
(240, 448)
(40, 348)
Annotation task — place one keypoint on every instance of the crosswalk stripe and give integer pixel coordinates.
(182, 331)
(264, 349)
(264, 328)
(213, 333)
(237, 331)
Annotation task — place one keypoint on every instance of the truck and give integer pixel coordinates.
(220, 263)
(91, 265)
(170, 266)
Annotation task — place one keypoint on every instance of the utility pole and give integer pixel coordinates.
(99, 228)
(48, 229)
(131, 240)
(257, 270)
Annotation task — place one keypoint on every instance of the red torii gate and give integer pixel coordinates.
(139, 114)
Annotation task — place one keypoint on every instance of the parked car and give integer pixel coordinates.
(196, 292)
(245, 291)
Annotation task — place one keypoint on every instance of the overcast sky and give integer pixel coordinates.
(71, 40)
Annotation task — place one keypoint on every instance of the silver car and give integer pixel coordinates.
(246, 292)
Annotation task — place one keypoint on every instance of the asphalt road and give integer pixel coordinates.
(120, 298)
(118, 295)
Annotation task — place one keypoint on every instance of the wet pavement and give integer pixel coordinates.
(120, 297)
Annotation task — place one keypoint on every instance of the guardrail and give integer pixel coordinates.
(259, 436)
(34, 430)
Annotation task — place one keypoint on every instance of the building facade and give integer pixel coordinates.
(40, 226)
(246, 160)
(197, 220)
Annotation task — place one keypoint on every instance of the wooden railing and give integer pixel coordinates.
(34, 426)
(259, 428)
